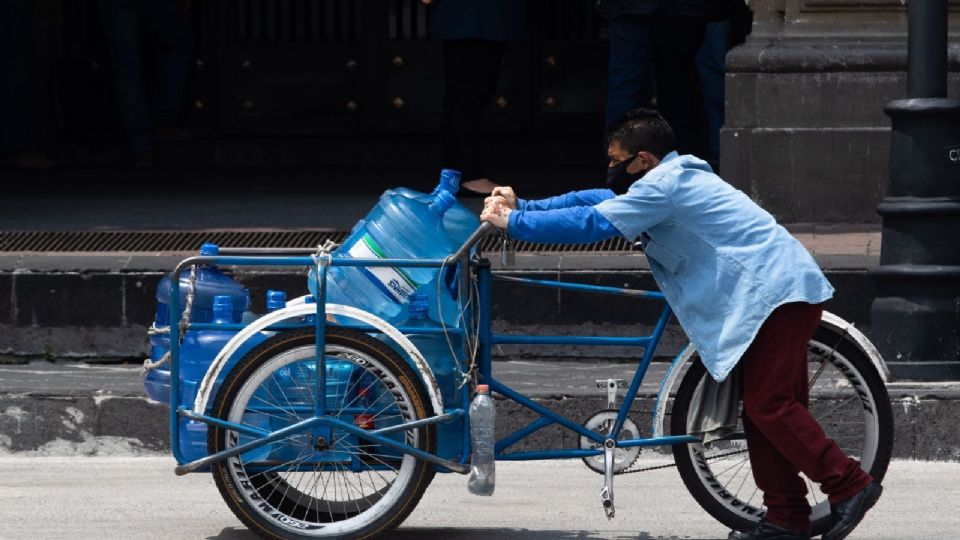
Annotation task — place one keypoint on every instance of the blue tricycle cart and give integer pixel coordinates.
(323, 420)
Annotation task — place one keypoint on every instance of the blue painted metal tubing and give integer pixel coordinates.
(658, 441)
(210, 420)
(252, 445)
(320, 338)
(374, 437)
(522, 433)
(513, 339)
(174, 309)
(547, 454)
(501, 388)
(310, 261)
(359, 327)
(653, 295)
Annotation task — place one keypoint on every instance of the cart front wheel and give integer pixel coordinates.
(322, 482)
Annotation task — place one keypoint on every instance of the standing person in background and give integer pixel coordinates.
(653, 53)
(720, 37)
(18, 137)
(475, 34)
(148, 109)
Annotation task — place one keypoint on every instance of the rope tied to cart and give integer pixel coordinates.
(149, 365)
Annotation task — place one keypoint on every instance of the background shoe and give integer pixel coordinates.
(768, 531)
(847, 514)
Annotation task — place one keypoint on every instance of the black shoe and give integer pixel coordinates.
(847, 514)
(768, 531)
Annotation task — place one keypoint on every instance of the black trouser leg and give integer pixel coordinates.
(679, 96)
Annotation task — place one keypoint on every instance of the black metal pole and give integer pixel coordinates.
(916, 313)
(927, 49)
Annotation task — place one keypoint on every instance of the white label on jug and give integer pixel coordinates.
(394, 282)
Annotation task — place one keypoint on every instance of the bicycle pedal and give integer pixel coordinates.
(608, 507)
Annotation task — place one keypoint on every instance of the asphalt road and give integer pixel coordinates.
(140, 498)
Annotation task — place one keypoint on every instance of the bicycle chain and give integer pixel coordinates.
(658, 467)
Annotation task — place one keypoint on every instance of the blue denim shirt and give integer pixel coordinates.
(723, 263)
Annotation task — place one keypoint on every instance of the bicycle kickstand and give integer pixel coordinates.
(606, 494)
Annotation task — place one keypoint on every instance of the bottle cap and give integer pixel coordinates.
(418, 305)
(442, 201)
(222, 309)
(276, 300)
(483, 389)
(209, 249)
(450, 180)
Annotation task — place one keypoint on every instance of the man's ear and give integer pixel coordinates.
(643, 162)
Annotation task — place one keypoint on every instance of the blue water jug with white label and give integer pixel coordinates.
(398, 227)
(459, 222)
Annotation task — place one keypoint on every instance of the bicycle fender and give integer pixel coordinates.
(856, 337)
(300, 310)
(666, 385)
(830, 320)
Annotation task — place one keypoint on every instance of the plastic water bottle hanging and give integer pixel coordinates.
(482, 465)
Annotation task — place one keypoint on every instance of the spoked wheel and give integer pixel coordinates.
(847, 398)
(321, 482)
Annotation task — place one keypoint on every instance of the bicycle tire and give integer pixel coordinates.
(872, 410)
(269, 498)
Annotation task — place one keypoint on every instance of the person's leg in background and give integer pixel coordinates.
(780, 428)
(679, 98)
(711, 66)
(630, 69)
(121, 29)
(471, 72)
(169, 22)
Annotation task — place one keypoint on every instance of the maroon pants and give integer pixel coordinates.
(782, 436)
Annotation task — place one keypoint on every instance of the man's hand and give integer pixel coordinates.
(506, 194)
(496, 210)
(427, 2)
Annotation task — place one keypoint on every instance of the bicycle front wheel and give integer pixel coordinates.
(321, 483)
(848, 400)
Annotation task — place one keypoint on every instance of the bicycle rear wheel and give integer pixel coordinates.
(333, 485)
(847, 398)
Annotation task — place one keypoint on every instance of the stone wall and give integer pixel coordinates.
(805, 132)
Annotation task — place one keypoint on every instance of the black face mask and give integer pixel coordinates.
(619, 180)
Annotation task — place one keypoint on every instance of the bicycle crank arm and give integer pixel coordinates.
(606, 494)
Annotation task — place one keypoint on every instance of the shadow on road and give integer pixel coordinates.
(518, 534)
(493, 533)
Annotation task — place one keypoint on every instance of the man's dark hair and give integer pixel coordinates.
(643, 129)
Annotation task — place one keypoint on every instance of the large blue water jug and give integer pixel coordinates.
(459, 222)
(437, 349)
(211, 282)
(398, 227)
(440, 351)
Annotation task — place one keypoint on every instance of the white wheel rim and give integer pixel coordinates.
(734, 477)
(384, 500)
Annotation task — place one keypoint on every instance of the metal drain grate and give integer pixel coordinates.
(157, 241)
(190, 241)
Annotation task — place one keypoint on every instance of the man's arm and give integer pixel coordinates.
(645, 205)
(575, 225)
(586, 197)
